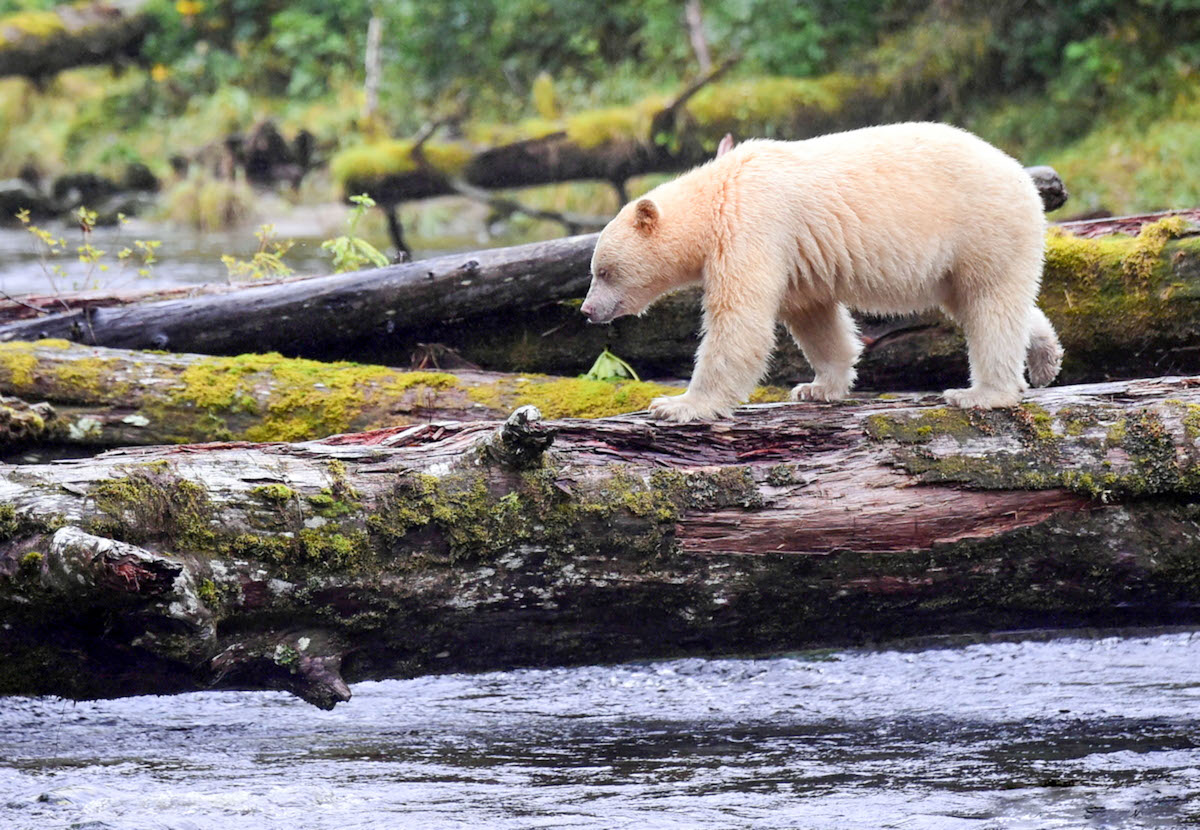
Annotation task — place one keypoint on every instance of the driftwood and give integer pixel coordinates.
(470, 546)
(95, 397)
(39, 44)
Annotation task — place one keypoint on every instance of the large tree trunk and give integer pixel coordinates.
(459, 547)
(1123, 307)
(112, 397)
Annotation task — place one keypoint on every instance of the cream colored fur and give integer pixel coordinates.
(886, 220)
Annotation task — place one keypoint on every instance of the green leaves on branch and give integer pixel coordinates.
(267, 261)
(352, 253)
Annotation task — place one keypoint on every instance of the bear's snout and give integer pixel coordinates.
(598, 311)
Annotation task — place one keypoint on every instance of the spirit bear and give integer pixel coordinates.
(885, 220)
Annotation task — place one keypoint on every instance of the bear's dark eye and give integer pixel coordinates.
(601, 273)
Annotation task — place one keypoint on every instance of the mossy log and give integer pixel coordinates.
(475, 546)
(662, 133)
(112, 397)
(39, 44)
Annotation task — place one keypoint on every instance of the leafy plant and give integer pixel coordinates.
(610, 367)
(266, 262)
(352, 253)
(52, 249)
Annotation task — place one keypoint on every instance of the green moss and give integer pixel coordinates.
(766, 106)
(924, 425)
(274, 493)
(323, 549)
(152, 503)
(308, 398)
(1150, 462)
(29, 24)
(595, 128)
(464, 517)
(88, 380)
(1116, 294)
(781, 475)
(207, 591)
(17, 365)
(357, 168)
(770, 394)
(1116, 433)
(15, 524)
(31, 563)
(327, 506)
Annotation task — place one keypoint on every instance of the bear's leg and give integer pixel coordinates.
(829, 339)
(1045, 353)
(738, 338)
(997, 329)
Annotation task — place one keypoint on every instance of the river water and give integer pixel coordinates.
(1065, 733)
(185, 257)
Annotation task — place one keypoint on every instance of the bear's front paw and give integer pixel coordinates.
(684, 408)
(981, 398)
(818, 391)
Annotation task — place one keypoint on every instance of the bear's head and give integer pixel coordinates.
(637, 259)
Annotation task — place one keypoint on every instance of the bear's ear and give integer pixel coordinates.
(645, 215)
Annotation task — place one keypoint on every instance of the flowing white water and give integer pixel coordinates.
(1070, 733)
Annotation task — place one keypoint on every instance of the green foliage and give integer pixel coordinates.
(351, 253)
(204, 202)
(610, 367)
(53, 252)
(266, 263)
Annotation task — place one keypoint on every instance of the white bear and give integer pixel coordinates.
(886, 220)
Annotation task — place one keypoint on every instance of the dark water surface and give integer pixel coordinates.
(1070, 733)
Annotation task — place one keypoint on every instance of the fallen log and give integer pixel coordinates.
(112, 397)
(474, 546)
(661, 134)
(39, 44)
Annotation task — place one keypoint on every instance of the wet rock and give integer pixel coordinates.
(137, 176)
(73, 190)
(16, 194)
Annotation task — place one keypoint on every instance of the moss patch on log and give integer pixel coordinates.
(29, 24)
(308, 399)
(153, 504)
(356, 167)
(1109, 295)
(466, 516)
(570, 397)
(1115, 458)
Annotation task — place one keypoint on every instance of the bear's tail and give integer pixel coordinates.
(1044, 355)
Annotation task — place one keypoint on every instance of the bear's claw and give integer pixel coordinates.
(682, 409)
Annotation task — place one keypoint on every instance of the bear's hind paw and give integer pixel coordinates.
(818, 391)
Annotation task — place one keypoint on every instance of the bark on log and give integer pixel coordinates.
(452, 547)
(38, 45)
(113, 397)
